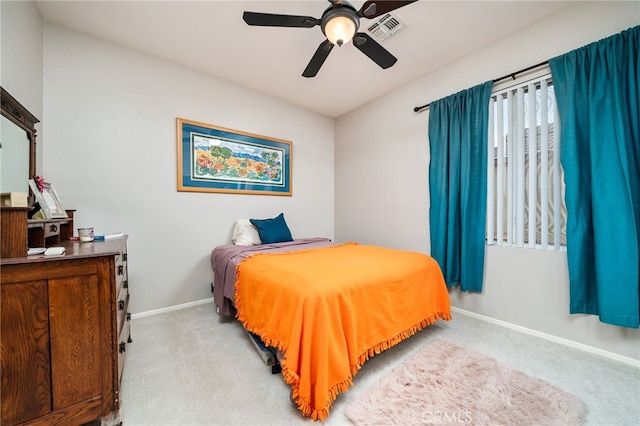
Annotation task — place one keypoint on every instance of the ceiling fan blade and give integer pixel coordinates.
(373, 50)
(275, 20)
(318, 59)
(372, 8)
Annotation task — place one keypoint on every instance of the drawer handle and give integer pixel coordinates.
(53, 228)
(123, 347)
(120, 269)
(128, 316)
(120, 305)
(125, 284)
(124, 256)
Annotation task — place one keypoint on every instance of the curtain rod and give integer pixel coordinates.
(504, 77)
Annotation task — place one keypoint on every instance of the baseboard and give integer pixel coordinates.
(616, 357)
(626, 360)
(172, 308)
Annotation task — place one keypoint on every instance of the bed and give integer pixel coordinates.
(327, 307)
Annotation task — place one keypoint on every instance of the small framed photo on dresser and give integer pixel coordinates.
(48, 199)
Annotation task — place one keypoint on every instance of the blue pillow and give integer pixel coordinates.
(272, 230)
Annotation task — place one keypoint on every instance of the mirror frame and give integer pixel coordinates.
(19, 115)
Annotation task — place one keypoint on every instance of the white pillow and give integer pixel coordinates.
(245, 234)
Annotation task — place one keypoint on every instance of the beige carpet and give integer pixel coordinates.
(445, 384)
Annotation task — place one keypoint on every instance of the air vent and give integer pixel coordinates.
(385, 26)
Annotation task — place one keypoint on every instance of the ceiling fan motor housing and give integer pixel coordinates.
(344, 11)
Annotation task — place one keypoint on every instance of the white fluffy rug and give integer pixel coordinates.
(445, 384)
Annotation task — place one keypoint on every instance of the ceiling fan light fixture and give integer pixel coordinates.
(340, 25)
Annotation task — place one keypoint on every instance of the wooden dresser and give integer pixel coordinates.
(64, 332)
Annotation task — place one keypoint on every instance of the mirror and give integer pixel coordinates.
(14, 150)
(17, 145)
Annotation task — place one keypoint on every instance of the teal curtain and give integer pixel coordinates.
(597, 91)
(458, 132)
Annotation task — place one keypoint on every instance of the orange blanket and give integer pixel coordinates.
(330, 309)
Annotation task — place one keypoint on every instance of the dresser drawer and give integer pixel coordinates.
(123, 345)
(121, 271)
(123, 312)
(51, 229)
(124, 338)
(121, 294)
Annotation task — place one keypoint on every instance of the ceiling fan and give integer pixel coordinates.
(339, 23)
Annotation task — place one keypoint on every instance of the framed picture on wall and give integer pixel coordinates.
(48, 199)
(218, 159)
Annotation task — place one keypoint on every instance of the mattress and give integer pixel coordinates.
(225, 259)
(328, 307)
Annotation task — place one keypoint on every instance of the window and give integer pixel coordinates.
(525, 192)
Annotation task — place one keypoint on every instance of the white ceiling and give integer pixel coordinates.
(210, 36)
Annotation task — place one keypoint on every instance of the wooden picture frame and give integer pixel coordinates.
(48, 200)
(218, 159)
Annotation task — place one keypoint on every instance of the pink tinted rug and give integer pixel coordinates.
(446, 384)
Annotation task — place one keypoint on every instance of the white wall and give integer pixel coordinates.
(21, 60)
(381, 171)
(110, 117)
